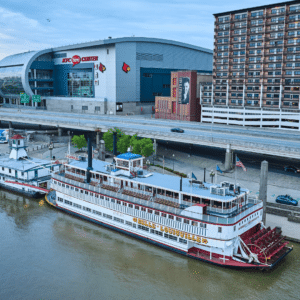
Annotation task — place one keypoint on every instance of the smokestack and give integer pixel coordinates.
(90, 161)
(180, 184)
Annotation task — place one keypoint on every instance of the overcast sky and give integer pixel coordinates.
(41, 24)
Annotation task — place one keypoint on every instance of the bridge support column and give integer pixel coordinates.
(155, 147)
(10, 129)
(228, 158)
(98, 139)
(101, 148)
(263, 187)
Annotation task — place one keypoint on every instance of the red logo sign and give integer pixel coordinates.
(125, 68)
(76, 60)
(102, 68)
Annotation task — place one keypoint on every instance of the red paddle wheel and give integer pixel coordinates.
(261, 256)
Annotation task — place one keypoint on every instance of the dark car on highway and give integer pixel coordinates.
(177, 130)
(286, 199)
(291, 169)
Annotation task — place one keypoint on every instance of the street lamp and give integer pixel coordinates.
(173, 161)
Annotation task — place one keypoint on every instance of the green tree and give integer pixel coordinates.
(79, 141)
(123, 143)
(109, 139)
(141, 146)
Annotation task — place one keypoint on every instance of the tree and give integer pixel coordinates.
(109, 139)
(141, 146)
(123, 143)
(79, 141)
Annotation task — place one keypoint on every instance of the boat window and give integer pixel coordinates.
(149, 211)
(91, 194)
(22, 173)
(86, 192)
(178, 219)
(186, 221)
(9, 170)
(97, 196)
(143, 209)
(137, 207)
(101, 197)
(234, 227)
(163, 215)
(219, 229)
(67, 186)
(124, 203)
(59, 184)
(118, 202)
(112, 200)
(2, 168)
(130, 205)
(157, 212)
(171, 217)
(76, 189)
(72, 188)
(194, 223)
(106, 198)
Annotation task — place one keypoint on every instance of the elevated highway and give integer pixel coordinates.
(264, 141)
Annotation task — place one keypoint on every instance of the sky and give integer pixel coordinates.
(42, 24)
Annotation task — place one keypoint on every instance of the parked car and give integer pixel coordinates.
(177, 130)
(286, 199)
(291, 169)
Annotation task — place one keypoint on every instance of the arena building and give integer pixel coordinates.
(112, 76)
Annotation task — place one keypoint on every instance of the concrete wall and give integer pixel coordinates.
(75, 105)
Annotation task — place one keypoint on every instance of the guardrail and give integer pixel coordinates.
(177, 211)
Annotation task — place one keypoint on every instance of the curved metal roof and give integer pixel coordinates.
(132, 39)
(17, 59)
(23, 60)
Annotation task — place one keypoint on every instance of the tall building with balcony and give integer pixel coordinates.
(256, 67)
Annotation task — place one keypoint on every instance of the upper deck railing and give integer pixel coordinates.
(256, 204)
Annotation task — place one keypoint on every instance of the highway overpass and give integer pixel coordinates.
(256, 140)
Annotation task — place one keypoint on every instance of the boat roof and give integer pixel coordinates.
(22, 164)
(162, 181)
(129, 156)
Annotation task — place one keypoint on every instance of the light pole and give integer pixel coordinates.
(173, 161)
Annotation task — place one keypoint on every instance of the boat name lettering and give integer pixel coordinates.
(191, 237)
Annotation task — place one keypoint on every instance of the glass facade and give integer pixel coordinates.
(80, 83)
(10, 81)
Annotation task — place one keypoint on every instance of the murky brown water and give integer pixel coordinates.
(46, 254)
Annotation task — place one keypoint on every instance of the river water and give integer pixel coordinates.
(47, 254)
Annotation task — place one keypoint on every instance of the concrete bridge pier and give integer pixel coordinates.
(228, 158)
(101, 149)
(263, 187)
(98, 139)
(154, 147)
(10, 129)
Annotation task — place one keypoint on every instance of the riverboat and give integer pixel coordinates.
(216, 223)
(23, 174)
